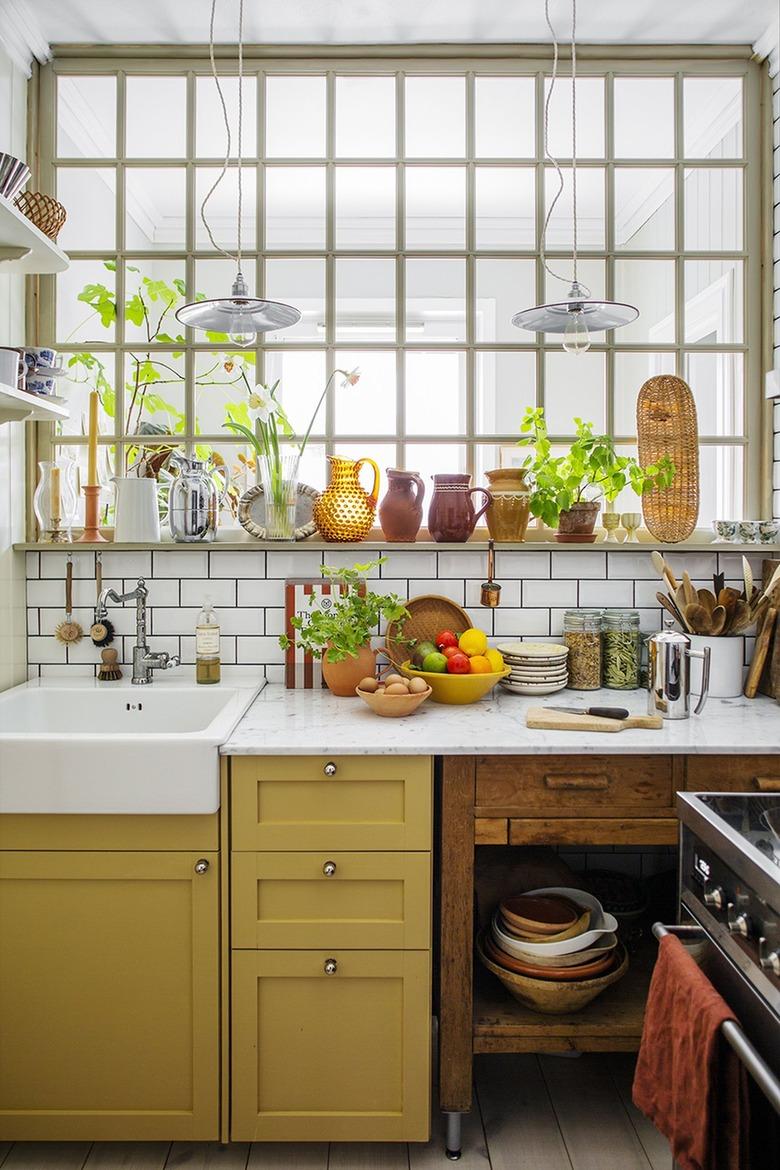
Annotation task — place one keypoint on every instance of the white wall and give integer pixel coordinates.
(13, 123)
(774, 68)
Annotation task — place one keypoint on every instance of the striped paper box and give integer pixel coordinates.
(301, 596)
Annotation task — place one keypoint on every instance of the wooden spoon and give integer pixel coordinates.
(718, 619)
(747, 577)
(708, 600)
(664, 569)
(698, 619)
(742, 617)
(691, 596)
(672, 609)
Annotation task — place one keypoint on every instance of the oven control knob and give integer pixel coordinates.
(769, 960)
(738, 923)
(714, 896)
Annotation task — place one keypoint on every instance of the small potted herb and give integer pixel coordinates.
(341, 634)
(567, 487)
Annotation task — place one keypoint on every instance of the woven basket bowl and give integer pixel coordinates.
(429, 615)
(666, 425)
(551, 997)
(45, 212)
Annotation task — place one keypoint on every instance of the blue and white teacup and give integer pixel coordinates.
(748, 531)
(37, 357)
(726, 530)
(769, 531)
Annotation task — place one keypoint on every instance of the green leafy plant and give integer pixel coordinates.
(590, 467)
(340, 631)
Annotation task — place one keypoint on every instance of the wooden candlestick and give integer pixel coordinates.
(91, 531)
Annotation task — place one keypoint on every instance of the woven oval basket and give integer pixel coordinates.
(45, 212)
(428, 615)
(666, 425)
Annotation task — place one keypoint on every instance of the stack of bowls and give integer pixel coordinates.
(554, 949)
(535, 668)
(13, 175)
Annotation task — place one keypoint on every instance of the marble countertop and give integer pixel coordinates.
(315, 722)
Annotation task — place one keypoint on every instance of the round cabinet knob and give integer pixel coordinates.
(329, 868)
(201, 866)
(738, 923)
(769, 960)
(330, 768)
(714, 896)
(330, 967)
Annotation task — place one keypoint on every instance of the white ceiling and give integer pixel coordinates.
(400, 21)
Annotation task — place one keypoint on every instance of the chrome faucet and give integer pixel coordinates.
(145, 661)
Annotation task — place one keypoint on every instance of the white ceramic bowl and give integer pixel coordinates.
(600, 925)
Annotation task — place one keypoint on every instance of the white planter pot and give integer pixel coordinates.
(727, 656)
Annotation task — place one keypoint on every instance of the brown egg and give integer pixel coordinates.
(368, 684)
(417, 686)
(394, 678)
(397, 689)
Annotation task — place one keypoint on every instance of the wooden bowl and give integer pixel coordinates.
(605, 945)
(555, 997)
(579, 927)
(539, 914)
(587, 969)
(392, 706)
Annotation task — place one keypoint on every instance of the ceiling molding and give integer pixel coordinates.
(21, 35)
(767, 47)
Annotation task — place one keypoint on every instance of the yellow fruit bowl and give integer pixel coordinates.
(455, 688)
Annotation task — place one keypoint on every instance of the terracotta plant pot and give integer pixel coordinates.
(579, 519)
(342, 677)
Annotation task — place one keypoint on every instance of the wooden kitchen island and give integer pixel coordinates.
(572, 800)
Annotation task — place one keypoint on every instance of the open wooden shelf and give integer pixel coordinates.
(612, 1023)
(23, 246)
(19, 406)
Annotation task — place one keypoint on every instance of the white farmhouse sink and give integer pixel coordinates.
(88, 747)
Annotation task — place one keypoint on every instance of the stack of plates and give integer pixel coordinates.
(535, 668)
(553, 949)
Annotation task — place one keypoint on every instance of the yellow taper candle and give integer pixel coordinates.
(92, 475)
(54, 494)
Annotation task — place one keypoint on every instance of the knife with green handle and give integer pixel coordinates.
(604, 712)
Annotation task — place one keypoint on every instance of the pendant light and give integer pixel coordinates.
(240, 315)
(578, 314)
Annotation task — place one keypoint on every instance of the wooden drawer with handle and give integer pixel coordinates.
(559, 785)
(330, 1045)
(351, 900)
(331, 802)
(732, 773)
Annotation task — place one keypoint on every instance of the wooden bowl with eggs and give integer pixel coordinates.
(394, 695)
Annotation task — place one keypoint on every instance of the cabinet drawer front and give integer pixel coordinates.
(556, 785)
(318, 1057)
(352, 900)
(303, 803)
(732, 773)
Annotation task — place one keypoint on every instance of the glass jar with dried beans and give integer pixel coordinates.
(582, 634)
(621, 649)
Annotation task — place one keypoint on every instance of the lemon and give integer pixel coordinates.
(473, 642)
(496, 660)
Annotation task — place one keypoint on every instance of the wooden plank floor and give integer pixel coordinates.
(530, 1113)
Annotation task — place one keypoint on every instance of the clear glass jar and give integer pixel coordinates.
(621, 649)
(582, 634)
(55, 500)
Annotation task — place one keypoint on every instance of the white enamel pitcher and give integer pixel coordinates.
(137, 516)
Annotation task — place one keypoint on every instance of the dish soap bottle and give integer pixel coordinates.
(207, 663)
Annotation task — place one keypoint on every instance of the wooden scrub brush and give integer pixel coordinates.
(102, 630)
(69, 632)
(109, 669)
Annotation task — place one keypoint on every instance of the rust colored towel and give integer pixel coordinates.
(688, 1081)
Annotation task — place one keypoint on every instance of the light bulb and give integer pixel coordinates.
(242, 337)
(576, 338)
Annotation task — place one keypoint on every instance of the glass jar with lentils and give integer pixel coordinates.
(621, 649)
(582, 634)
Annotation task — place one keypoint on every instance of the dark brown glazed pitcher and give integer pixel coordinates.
(451, 516)
(400, 513)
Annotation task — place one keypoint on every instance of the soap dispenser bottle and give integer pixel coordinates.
(207, 661)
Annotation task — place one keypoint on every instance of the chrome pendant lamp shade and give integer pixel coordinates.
(578, 314)
(239, 315)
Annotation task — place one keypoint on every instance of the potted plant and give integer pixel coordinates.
(567, 487)
(341, 634)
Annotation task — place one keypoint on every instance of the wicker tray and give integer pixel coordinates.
(666, 425)
(429, 614)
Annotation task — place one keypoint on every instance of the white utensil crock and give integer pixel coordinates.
(10, 366)
(137, 517)
(727, 657)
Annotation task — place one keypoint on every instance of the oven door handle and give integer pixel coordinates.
(750, 1057)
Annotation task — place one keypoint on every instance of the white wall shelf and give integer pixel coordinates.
(23, 247)
(19, 406)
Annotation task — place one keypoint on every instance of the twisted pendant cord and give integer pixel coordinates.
(228, 140)
(574, 130)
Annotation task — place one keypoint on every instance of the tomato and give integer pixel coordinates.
(446, 638)
(458, 664)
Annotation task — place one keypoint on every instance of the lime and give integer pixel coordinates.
(434, 663)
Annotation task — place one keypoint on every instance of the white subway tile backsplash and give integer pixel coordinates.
(260, 592)
(45, 592)
(522, 564)
(645, 591)
(340, 557)
(699, 565)
(549, 593)
(221, 592)
(249, 563)
(45, 650)
(294, 564)
(275, 621)
(173, 621)
(162, 590)
(53, 564)
(634, 565)
(32, 564)
(183, 562)
(606, 594)
(259, 651)
(575, 565)
(242, 621)
(49, 619)
(510, 593)
(518, 622)
(409, 564)
(32, 621)
(462, 564)
(127, 564)
(455, 590)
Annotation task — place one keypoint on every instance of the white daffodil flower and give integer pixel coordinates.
(351, 378)
(260, 405)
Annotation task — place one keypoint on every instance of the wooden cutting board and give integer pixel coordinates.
(770, 678)
(547, 720)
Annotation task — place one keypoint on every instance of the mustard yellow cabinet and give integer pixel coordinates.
(109, 986)
(330, 1045)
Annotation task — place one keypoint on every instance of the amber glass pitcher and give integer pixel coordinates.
(345, 511)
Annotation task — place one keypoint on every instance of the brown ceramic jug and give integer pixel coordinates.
(451, 516)
(400, 513)
(508, 512)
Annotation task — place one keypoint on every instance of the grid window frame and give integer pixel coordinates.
(534, 66)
